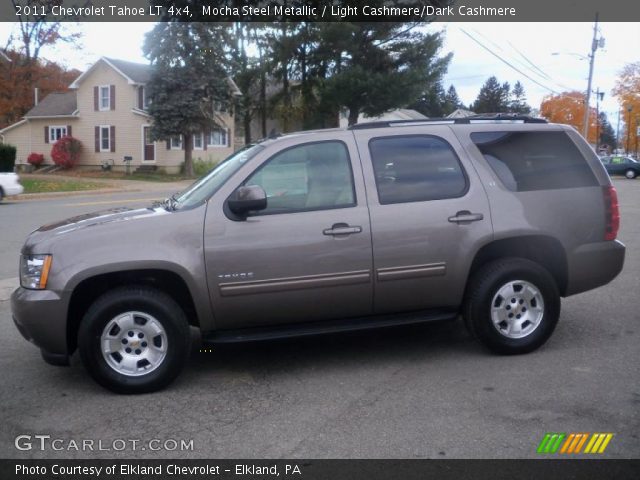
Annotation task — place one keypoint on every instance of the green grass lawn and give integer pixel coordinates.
(146, 177)
(32, 185)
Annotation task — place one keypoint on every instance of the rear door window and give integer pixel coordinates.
(526, 161)
(416, 168)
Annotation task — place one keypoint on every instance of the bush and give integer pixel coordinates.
(7, 157)
(35, 159)
(66, 152)
(201, 167)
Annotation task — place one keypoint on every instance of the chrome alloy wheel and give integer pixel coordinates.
(517, 309)
(134, 343)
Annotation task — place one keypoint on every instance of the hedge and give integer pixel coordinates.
(7, 157)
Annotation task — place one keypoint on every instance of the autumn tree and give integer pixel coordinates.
(28, 70)
(17, 95)
(36, 31)
(627, 89)
(568, 108)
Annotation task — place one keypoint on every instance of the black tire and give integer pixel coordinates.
(158, 306)
(630, 174)
(484, 288)
(1, 194)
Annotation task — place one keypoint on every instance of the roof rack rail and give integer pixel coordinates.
(480, 118)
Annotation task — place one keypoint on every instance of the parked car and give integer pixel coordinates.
(618, 165)
(377, 225)
(10, 185)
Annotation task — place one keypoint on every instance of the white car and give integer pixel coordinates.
(10, 185)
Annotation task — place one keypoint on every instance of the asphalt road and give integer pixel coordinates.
(426, 391)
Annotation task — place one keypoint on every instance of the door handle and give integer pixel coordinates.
(465, 216)
(341, 229)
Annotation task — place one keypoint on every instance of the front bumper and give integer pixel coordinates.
(41, 318)
(593, 265)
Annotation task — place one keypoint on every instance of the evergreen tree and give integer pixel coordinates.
(452, 101)
(188, 80)
(493, 97)
(518, 103)
(432, 102)
(379, 66)
(607, 134)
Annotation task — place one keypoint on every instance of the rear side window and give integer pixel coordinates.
(415, 169)
(526, 161)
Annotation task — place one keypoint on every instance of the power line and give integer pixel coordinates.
(507, 63)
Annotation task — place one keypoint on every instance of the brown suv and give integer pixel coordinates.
(377, 225)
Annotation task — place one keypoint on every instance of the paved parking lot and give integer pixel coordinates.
(425, 391)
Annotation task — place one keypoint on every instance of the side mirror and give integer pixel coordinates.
(247, 198)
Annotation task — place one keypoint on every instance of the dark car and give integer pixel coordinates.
(626, 166)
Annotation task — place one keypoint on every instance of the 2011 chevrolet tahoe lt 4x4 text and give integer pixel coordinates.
(376, 225)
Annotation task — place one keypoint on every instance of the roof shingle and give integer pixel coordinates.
(55, 104)
(138, 72)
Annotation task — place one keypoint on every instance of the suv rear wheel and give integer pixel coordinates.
(512, 306)
(134, 340)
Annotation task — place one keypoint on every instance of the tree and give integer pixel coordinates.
(28, 70)
(189, 79)
(432, 102)
(627, 89)
(607, 134)
(37, 31)
(492, 98)
(452, 101)
(382, 66)
(568, 108)
(518, 103)
(17, 94)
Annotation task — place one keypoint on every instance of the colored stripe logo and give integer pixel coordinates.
(573, 443)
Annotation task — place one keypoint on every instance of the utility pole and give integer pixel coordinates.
(595, 43)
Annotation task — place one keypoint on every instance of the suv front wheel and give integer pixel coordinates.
(512, 306)
(134, 340)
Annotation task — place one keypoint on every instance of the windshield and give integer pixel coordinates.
(203, 188)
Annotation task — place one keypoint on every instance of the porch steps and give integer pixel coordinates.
(146, 169)
(49, 169)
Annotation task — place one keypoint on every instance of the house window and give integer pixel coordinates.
(217, 138)
(144, 98)
(105, 138)
(105, 97)
(198, 141)
(56, 132)
(176, 142)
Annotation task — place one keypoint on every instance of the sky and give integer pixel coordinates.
(529, 47)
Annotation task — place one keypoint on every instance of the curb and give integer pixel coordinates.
(45, 195)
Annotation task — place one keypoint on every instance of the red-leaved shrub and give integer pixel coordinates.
(66, 152)
(35, 159)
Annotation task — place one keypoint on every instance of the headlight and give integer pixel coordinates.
(34, 271)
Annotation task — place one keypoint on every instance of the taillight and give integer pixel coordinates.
(611, 213)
